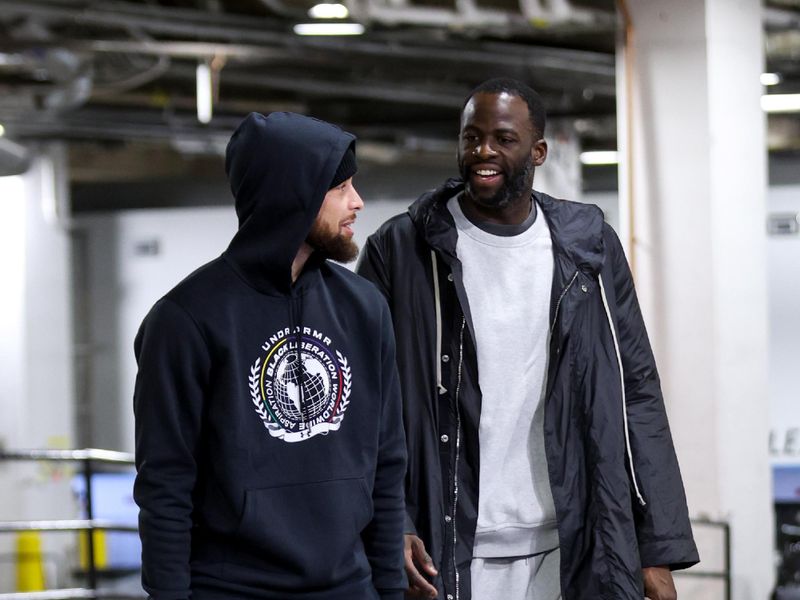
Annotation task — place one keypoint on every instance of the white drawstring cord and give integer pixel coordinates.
(438, 310)
(622, 386)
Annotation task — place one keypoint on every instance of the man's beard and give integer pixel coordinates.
(331, 244)
(517, 185)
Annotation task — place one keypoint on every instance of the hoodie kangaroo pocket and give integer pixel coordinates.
(310, 530)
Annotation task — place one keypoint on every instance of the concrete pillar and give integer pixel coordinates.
(697, 240)
(36, 352)
(36, 307)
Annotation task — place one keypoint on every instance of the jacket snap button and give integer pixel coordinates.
(447, 518)
(584, 287)
(444, 439)
(449, 596)
(449, 277)
(445, 358)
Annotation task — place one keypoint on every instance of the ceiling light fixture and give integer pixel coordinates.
(780, 103)
(768, 79)
(329, 29)
(599, 157)
(328, 11)
(2, 131)
(204, 93)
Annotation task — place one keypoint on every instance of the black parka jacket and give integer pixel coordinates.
(616, 484)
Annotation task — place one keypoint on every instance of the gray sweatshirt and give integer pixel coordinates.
(508, 273)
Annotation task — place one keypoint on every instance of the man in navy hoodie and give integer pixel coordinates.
(269, 440)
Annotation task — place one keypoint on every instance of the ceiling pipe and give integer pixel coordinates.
(466, 14)
(598, 66)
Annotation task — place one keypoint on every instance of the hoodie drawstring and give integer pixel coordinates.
(622, 386)
(296, 327)
(437, 298)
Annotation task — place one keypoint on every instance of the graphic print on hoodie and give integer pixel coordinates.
(300, 389)
(269, 440)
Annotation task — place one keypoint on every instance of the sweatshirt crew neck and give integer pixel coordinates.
(501, 229)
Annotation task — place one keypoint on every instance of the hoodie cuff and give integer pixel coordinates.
(408, 526)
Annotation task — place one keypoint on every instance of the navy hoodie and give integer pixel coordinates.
(269, 439)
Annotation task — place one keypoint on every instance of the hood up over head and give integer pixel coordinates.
(280, 167)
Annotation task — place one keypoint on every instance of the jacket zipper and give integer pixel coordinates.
(441, 389)
(458, 452)
(558, 303)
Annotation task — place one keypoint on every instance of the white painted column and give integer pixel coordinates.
(12, 302)
(36, 353)
(698, 245)
(36, 385)
(48, 304)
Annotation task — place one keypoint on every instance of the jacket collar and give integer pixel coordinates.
(432, 219)
(575, 228)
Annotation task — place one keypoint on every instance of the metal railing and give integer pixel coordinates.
(89, 459)
(725, 574)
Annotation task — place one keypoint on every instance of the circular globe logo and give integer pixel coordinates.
(300, 389)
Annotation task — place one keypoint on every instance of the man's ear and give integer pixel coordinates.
(539, 152)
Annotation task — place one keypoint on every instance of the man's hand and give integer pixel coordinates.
(418, 559)
(658, 584)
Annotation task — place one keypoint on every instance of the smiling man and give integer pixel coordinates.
(540, 460)
(269, 437)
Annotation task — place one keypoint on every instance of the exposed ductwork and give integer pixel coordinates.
(126, 69)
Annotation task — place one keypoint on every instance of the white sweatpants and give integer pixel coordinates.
(535, 577)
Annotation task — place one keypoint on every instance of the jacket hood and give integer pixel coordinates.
(279, 167)
(576, 228)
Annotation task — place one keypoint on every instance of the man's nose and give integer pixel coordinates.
(484, 149)
(356, 203)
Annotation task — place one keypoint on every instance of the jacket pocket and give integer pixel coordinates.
(310, 530)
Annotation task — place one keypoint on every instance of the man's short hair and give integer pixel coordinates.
(499, 85)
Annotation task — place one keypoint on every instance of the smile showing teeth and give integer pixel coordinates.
(486, 172)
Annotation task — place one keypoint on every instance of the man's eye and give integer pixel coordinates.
(506, 140)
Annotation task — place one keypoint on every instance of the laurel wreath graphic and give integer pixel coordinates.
(255, 394)
(347, 384)
(260, 408)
